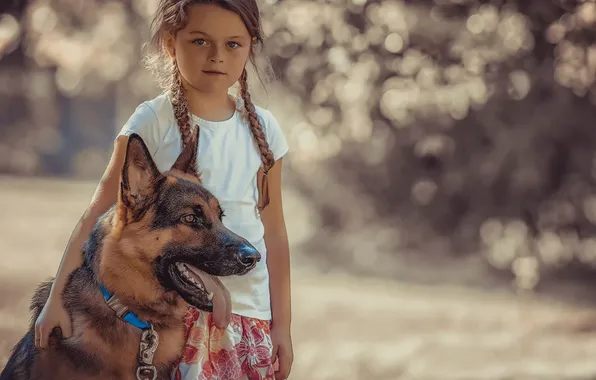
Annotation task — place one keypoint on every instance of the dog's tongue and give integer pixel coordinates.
(222, 303)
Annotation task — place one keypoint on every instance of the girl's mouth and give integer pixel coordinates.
(208, 72)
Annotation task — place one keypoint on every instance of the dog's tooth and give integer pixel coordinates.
(191, 279)
(210, 296)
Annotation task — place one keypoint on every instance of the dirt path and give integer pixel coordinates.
(344, 327)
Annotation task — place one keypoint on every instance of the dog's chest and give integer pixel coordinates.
(171, 346)
(118, 354)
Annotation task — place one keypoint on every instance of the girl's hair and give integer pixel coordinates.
(170, 17)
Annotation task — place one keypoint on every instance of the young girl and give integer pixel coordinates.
(204, 47)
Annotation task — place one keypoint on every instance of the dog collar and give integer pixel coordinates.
(122, 311)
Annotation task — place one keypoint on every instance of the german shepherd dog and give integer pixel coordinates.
(160, 248)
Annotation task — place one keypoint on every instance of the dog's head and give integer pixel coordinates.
(166, 241)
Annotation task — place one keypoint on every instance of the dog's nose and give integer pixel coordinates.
(248, 255)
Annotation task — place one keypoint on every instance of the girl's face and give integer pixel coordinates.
(212, 49)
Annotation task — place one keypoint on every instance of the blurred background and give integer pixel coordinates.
(439, 190)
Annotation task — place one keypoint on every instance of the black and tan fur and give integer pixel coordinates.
(159, 219)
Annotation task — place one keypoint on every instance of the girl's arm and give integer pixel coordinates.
(278, 251)
(278, 263)
(106, 194)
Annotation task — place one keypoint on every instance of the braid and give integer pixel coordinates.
(261, 140)
(255, 126)
(180, 105)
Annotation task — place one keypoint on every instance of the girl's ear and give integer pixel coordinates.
(170, 46)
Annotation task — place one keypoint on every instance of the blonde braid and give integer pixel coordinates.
(180, 106)
(261, 140)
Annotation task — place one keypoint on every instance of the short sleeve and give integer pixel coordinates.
(275, 136)
(144, 123)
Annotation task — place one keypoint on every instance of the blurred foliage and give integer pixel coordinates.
(463, 125)
(444, 128)
(72, 75)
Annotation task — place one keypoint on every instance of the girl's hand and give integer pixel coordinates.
(52, 315)
(282, 351)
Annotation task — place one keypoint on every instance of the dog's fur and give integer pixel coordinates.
(132, 251)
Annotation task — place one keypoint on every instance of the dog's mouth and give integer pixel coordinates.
(203, 291)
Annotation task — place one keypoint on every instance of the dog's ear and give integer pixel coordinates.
(187, 160)
(139, 172)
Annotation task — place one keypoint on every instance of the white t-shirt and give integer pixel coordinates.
(228, 160)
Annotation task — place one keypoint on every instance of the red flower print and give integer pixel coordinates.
(223, 363)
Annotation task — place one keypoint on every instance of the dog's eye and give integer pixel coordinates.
(190, 219)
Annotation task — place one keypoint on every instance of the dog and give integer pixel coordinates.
(159, 249)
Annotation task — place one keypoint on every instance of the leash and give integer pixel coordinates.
(149, 337)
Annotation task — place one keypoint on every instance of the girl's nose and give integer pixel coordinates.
(216, 56)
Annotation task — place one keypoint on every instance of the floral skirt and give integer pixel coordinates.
(242, 351)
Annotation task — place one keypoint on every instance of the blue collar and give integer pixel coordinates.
(126, 315)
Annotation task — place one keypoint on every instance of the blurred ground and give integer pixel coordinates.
(344, 327)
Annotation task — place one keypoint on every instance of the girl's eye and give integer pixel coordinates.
(199, 41)
(190, 219)
(233, 44)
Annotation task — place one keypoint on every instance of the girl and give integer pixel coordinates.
(203, 47)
